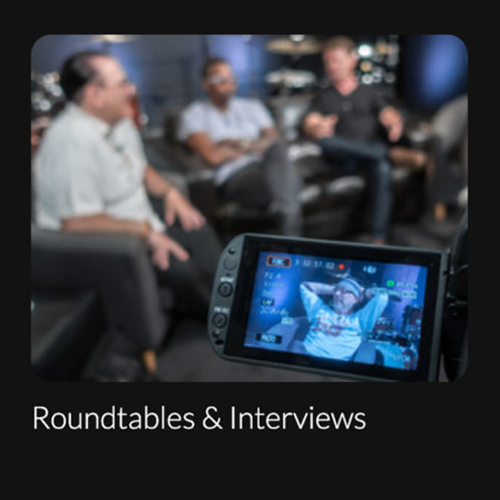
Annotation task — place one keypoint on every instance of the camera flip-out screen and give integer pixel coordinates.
(355, 310)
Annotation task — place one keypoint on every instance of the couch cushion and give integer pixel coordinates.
(65, 327)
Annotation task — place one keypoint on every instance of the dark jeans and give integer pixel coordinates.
(371, 159)
(191, 281)
(272, 183)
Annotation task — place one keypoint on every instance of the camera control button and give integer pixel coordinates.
(230, 263)
(225, 289)
(219, 320)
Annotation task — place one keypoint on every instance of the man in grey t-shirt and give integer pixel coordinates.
(238, 138)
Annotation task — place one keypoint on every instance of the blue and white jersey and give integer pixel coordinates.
(338, 336)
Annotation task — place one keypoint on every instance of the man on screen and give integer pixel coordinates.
(338, 328)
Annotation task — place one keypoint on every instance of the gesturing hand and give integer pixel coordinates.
(162, 246)
(391, 119)
(178, 206)
(324, 126)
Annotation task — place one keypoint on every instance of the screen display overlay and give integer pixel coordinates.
(331, 308)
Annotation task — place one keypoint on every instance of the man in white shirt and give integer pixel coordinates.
(91, 175)
(237, 137)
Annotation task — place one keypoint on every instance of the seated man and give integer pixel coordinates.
(337, 328)
(238, 137)
(354, 125)
(91, 175)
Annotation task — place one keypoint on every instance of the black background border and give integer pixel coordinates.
(433, 425)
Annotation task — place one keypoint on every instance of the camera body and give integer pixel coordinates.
(353, 310)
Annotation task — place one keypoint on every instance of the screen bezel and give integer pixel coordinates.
(428, 360)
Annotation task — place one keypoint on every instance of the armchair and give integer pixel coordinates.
(108, 272)
(448, 139)
(334, 204)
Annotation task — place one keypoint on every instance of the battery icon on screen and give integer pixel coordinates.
(275, 261)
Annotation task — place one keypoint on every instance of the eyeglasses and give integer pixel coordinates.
(126, 82)
(343, 291)
(219, 80)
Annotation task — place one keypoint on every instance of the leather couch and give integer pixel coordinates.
(333, 204)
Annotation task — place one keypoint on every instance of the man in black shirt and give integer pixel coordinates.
(354, 125)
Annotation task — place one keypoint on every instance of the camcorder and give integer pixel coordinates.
(368, 312)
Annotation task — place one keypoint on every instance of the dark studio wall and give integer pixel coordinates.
(432, 69)
(164, 68)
